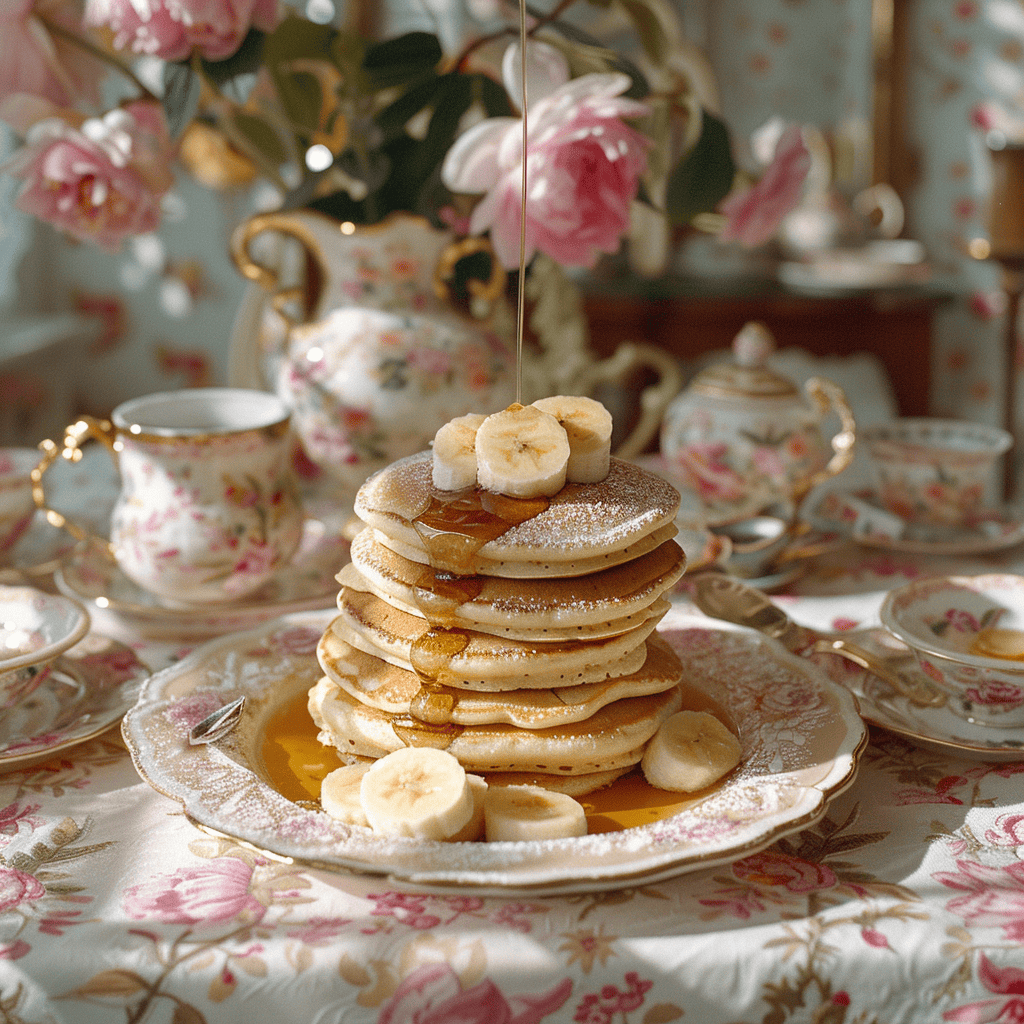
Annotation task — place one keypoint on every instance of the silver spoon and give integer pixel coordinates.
(727, 598)
(217, 724)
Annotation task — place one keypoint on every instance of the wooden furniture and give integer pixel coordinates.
(692, 317)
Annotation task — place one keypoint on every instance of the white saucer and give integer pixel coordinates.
(935, 728)
(853, 513)
(306, 582)
(83, 692)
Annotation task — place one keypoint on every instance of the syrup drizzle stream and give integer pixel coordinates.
(454, 528)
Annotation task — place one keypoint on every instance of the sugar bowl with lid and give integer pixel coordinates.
(745, 437)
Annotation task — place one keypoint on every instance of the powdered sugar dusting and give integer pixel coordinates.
(582, 520)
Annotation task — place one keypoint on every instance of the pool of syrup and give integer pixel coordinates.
(296, 763)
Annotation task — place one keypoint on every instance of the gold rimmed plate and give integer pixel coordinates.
(801, 736)
(82, 693)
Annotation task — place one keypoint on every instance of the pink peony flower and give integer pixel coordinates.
(173, 29)
(753, 215)
(34, 62)
(101, 181)
(433, 994)
(583, 170)
(211, 893)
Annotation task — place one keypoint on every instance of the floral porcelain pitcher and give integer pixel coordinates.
(746, 438)
(375, 357)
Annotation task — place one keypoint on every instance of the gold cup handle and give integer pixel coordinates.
(920, 692)
(75, 436)
(828, 396)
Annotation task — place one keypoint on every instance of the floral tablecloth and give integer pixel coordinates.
(903, 903)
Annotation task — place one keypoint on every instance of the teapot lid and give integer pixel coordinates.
(748, 375)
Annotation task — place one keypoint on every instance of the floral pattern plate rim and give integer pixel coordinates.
(83, 692)
(997, 529)
(306, 582)
(932, 727)
(802, 737)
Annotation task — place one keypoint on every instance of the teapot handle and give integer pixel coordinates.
(830, 396)
(283, 298)
(654, 399)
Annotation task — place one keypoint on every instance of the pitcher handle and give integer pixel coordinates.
(654, 399)
(485, 292)
(75, 436)
(830, 396)
(283, 298)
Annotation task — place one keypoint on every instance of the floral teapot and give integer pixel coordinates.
(367, 347)
(746, 438)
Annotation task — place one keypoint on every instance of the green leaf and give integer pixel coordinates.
(395, 116)
(182, 89)
(703, 178)
(492, 96)
(401, 60)
(261, 136)
(648, 28)
(302, 98)
(297, 38)
(246, 60)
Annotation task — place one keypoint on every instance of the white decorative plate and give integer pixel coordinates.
(801, 737)
(80, 694)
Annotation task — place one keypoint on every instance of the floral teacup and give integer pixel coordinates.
(16, 505)
(952, 623)
(935, 472)
(209, 507)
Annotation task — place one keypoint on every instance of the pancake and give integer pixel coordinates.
(613, 737)
(599, 604)
(581, 529)
(397, 691)
(472, 660)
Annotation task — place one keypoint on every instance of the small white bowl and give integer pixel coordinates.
(35, 627)
(940, 618)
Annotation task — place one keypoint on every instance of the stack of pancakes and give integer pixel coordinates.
(518, 634)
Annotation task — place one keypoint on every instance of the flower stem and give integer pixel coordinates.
(88, 46)
(540, 20)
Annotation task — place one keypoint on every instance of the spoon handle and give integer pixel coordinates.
(919, 692)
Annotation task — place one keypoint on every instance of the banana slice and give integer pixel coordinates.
(522, 452)
(588, 425)
(690, 750)
(340, 794)
(474, 828)
(454, 453)
(420, 792)
(524, 813)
